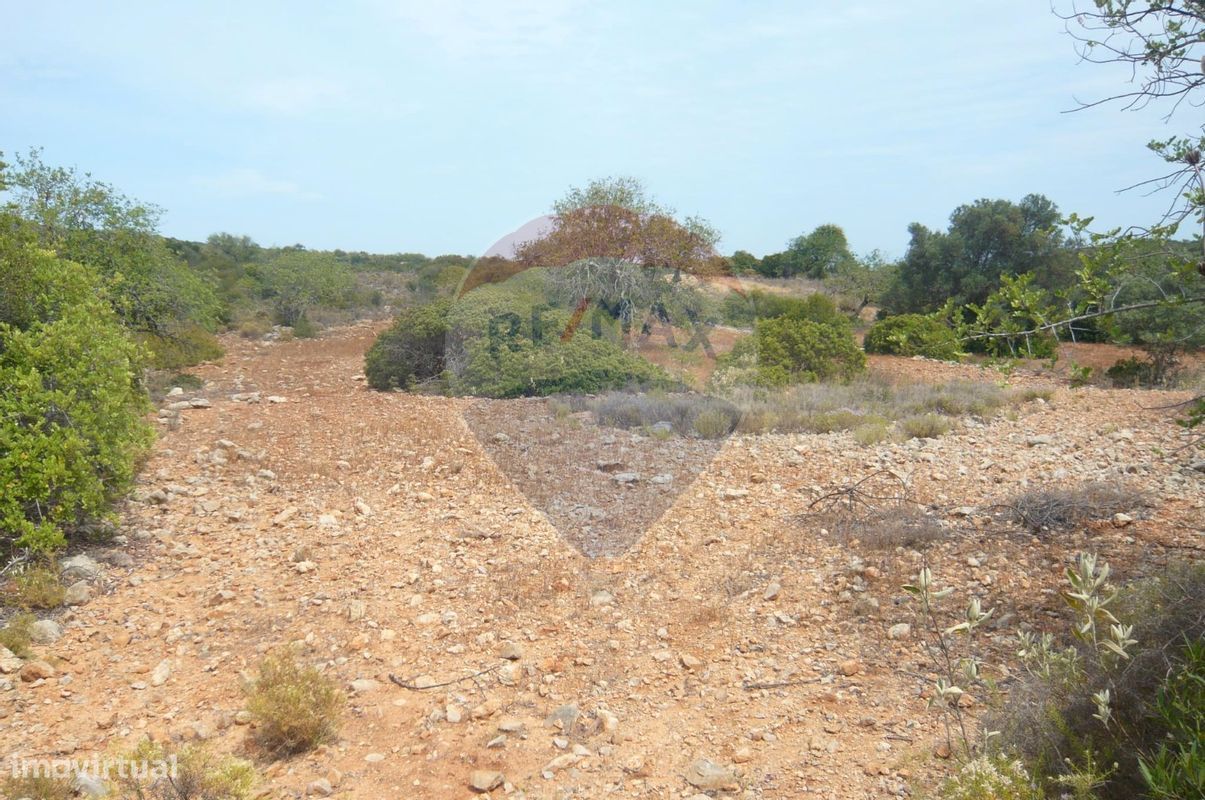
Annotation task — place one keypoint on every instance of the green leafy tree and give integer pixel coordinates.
(296, 281)
(90, 222)
(794, 350)
(817, 254)
(985, 240)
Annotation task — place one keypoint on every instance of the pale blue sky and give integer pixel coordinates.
(438, 127)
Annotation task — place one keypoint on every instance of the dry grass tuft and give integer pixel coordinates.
(16, 635)
(297, 708)
(200, 774)
(1063, 508)
(36, 586)
(37, 787)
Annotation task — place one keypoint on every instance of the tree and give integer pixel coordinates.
(985, 240)
(297, 280)
(817, 254)
(90, 222)
(616, 218)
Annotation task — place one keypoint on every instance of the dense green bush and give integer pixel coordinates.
(581, 365)
(912, 335)
(296, 281)
(744, 310)
(411, 350)
(71, 408)
(791, 350)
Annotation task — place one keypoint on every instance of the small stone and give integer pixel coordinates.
(850, 667)
(9, 663)
(772, 591)
(511, 651)
(37, 670)
(306, 566)
(78, 568)
(275, 398)
(242, 717)
(45, 631)
(453, 714)
(161, 673)
(1041, 439)
(733, 494)
(362, 508)
(691, 662)
(90, 786)
(742, 755)
(355, 610)
(511, 725)
(362, 685)
(901, 630)
(374, 758)
(1121, 520)
(320, 788)
(707, 775)
(564, 718)
(626, 477)
(285, 515)
(602, 598)
(484, 780)
(78, 594)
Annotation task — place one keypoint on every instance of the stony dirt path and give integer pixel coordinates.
(375, 533)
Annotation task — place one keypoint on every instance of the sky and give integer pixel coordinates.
(438, 127)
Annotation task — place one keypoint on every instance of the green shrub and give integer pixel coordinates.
(303, 328)
(714, 423)
(1053, 720)
(17, 634)
(580, 365)
(188, 345)
(687, 414)
(296, 708)
(871, 433)
(200, 774)
(1176, 770)
(71, 408)
(411, 350)
(745, 310)
(912, 335)
(924, 426)
(799, 351)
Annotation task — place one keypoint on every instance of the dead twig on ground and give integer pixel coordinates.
(412, 686)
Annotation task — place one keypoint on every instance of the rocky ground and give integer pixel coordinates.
(739, 648)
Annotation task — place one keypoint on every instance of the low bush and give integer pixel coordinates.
(1176, 769)
(581, 365)
(200, 774)
(924, 426)
(793, 350)
(71, 406)
(296, 708)
(17, 634)
(35, 586)
(411, 350)
(37, 787)
(912, 335)
(1070, 507)
(992, 778)
(1083, 705)
(745, 310)
(686, 414)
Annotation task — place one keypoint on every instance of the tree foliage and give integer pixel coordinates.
(92, 223)
(985, 240)
(297, 280)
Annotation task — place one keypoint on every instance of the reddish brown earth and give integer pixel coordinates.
(427, 560)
